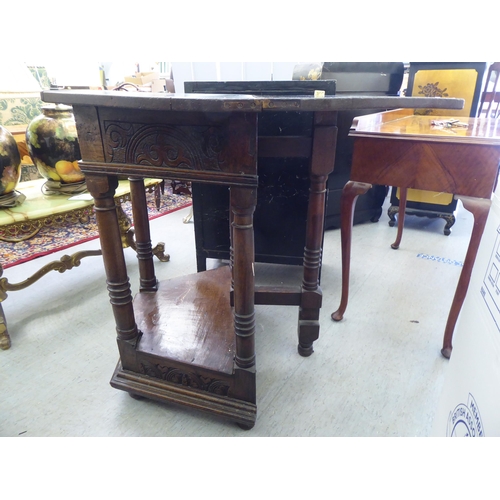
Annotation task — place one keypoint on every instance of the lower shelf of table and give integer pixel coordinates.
(186, 351)
(189, 320)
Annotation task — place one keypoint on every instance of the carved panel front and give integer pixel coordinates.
(187, 378)
(184, 147)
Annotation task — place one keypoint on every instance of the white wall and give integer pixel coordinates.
(230, 71)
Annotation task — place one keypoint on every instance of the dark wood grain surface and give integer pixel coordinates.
(240, 102)
(189, 319)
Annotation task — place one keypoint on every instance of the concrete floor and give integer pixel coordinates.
(379, 372)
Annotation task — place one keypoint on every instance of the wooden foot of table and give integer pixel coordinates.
(305, 350)
(446, 352)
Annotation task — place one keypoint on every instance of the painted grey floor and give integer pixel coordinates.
(379, 372)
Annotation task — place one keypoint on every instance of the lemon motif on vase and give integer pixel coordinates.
(10, 162)
(53, 146)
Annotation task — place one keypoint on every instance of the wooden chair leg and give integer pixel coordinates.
(403, 192)
(479, 209)
(348, 199)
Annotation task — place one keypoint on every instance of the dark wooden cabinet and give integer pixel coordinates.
(281, 211)
(283, 193)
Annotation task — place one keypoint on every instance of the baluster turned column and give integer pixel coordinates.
(148, 281)
(102, 188)
(322, 162)
(243, 201)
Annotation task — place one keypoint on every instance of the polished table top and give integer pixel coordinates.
(400, 125)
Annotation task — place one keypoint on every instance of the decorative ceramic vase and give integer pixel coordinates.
(53, 144)
(10, 162)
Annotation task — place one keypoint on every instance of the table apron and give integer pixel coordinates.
(461, 169)
(144, 171)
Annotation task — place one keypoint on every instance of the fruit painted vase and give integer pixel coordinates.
(53, 144)
(10, 163)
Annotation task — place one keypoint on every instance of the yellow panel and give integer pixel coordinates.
(459, 83)
(427, 197)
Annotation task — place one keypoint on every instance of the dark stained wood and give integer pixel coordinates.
(239, 103)
(305, 87)
(284, 147)
(143, 245)
(189, 320)
(87, 127)
(408, 151)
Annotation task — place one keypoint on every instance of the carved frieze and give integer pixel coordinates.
(187, 379)
(187, 147)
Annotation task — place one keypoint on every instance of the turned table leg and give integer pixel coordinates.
(148, 281)
(479, 208)
(308, 327)
(102, 188)
(243, 201)
(349, 196)
(321, 165)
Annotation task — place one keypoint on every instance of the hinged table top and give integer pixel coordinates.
(239, 102)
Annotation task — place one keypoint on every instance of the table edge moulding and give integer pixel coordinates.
(430, 153)
(190, 340)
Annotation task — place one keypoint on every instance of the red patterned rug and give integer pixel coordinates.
(54, 238)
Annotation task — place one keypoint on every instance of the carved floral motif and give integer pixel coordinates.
(187, 379)
(194, 148)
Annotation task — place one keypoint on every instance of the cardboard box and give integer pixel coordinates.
(148, 82)
(143, 78)
(469, 404)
